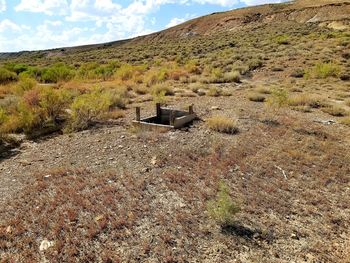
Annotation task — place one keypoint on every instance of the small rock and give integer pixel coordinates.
(154, 160)
(45, 244)
(145, 170)
(122, 137)
(201, 92)
(215, 108)
(9, 230)
(24, 162)
(99, 217)
(294, 236)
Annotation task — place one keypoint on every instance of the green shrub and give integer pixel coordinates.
(7, 76)
(56, 73)
(155, 76)
(41, 111)
(3, 116)
(25, 84)
(282, 40)
(162, 88)
(127, 72)
(87, 108)
(323, 71)
(255, 64)
(223, 209)
(278, 98)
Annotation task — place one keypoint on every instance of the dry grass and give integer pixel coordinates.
(307, 100)
(256, 97)
(222, 124)
(336, 111)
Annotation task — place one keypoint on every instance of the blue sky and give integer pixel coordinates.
(44, 24)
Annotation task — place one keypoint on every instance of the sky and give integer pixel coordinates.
(45, 24)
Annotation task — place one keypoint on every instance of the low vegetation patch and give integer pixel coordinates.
(336, 111)
(278, 98)
(307, 100)
(222, 124)
(256, 97)
(323, 71)
(223, 209)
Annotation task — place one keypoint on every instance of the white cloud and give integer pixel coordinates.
(225, 3)
(261, 2)
(176, 21)
(48, 7)
(7, 25)
(2, 6)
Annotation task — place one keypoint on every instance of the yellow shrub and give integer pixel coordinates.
(222, 124)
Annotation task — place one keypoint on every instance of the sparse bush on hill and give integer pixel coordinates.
(282, 40)
(7, 76)
(256, 97)
(336, 111)
(127, 72)
(38, 111)
(298, 73)
(222, 124)
(56, 73)
(255, 64)
(232, 77)
(162, 88)
(25, 84)
(306, 100)
(223, 209)
(323, 71)
(88, 108)
(214, 92)
(278, 98)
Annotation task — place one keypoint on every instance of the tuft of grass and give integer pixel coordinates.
(278, 98)
(214, 92)
(346, 121)
(234, 76)
(162, 89)
(336, 111)
(256, 97)
(298, 73)
(222, 124)
(255, 64)
(324, 71)
(282, 40)
(113, 115)
(223, 209)
(263, 90)
(347, 102)
(306, 100)
(141, 90)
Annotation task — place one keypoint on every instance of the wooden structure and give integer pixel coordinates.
(165, 118)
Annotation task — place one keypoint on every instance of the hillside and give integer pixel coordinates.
(262, 175)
